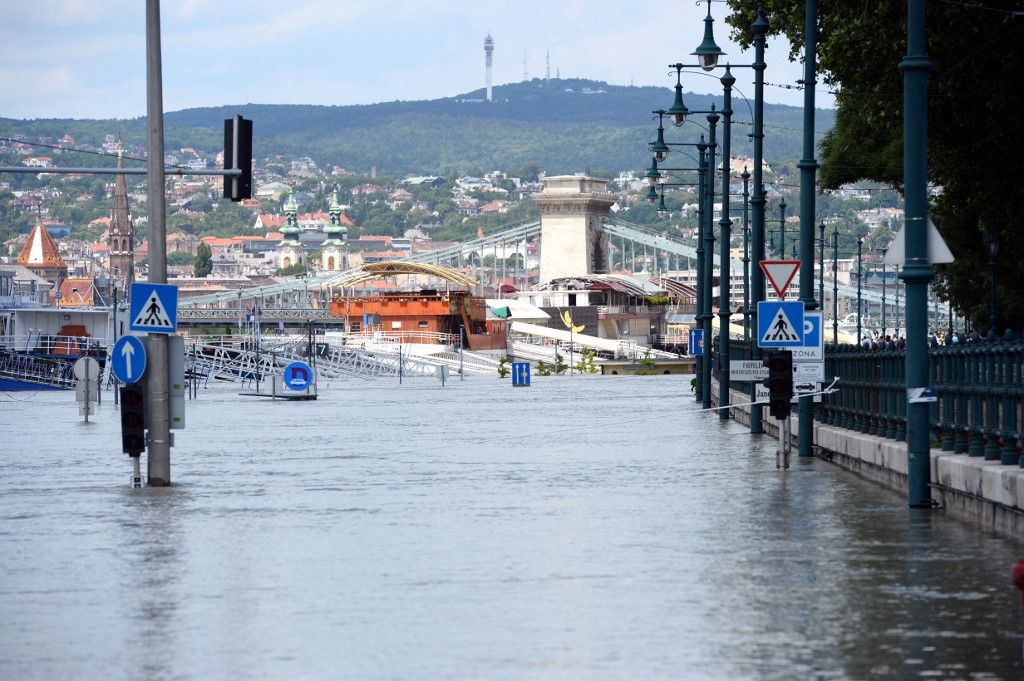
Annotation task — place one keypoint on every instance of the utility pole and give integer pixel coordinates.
(158, 400)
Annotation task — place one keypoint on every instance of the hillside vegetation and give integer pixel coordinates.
(563, 125)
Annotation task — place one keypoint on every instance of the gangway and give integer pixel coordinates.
(618, 348)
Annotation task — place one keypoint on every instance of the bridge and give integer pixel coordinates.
(314, 293)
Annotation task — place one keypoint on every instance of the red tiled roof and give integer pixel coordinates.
(76, 292)
(40, 250)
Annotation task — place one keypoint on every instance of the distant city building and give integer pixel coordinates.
(121, 236)
(290, 251)
(332, 250)
(41, 256)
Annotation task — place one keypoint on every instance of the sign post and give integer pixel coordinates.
(87, 371)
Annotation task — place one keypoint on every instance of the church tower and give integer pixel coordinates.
(121, 238)
(41, 256)
(290, 251)
(332, 254)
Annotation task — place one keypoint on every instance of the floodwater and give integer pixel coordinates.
(581, 528)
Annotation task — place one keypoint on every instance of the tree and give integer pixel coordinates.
(203, 264)
(180, 258)
(296, 269)
(973, 120)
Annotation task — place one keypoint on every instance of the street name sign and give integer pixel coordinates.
(128, 359)
(780, 273)
(780, 324)
(747, 370)
(154, 308)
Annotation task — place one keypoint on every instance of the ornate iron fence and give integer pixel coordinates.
(979, 407)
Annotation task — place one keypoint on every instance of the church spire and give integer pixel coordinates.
(121, 238)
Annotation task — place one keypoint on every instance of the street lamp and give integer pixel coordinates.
(884, 326)
(821, 266)
(782, 228)
(860, 248)
(746, 255)
(708, 52)
(993, 251)
(835, 285)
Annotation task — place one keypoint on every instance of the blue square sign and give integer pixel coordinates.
(696, 342)
(780, 324)
(154, 308)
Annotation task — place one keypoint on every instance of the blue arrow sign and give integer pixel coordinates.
(696, 344)
(298, 375)
(154, 308)
(780, 324)
(520, 373)
(129, 359)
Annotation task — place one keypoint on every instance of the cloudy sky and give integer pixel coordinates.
(86, 58)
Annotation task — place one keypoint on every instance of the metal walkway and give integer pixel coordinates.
(238, 358)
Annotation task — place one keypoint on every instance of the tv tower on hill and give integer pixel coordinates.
(488, 58)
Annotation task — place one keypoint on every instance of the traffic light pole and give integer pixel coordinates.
(158, 399)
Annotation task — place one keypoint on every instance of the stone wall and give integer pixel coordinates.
(986, 493)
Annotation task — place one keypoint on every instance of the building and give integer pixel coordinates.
(332, 250)
(41, 256)
(121, 236)
(290, 251)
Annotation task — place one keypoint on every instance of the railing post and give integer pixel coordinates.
(991, 351)
(1010, 390)
(975, 377)
(901, 399)
(946, 388)
(960, 419)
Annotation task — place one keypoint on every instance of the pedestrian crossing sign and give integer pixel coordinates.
(780, 324)
(154, 308)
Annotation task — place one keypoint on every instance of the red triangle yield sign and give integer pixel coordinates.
(780, 274)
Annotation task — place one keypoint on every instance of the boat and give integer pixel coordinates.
(40, 345)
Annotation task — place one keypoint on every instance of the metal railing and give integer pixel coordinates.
(979, 394)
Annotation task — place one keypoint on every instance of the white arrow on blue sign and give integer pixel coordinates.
(696, 342)
(129, 359)
(520, 374)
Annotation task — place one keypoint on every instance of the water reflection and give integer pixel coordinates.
(581, 528)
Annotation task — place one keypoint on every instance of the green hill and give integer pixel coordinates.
(564, 125)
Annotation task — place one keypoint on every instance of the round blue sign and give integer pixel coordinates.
(128, 359)
(298, 376)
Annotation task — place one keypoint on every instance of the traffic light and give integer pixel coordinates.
(779, 383)
(238, 154)
(133, 419)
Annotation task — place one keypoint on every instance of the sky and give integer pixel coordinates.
(87, 58)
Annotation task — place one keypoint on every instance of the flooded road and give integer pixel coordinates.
(581, 528)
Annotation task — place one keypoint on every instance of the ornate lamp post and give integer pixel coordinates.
(884, 326)
(993, 251)
(746, 255)
(821, 265)
(860, 276)
(707, 54)
(835, 285)
(782, 228)
(917, 270)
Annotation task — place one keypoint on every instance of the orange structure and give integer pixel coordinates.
(422, 315)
